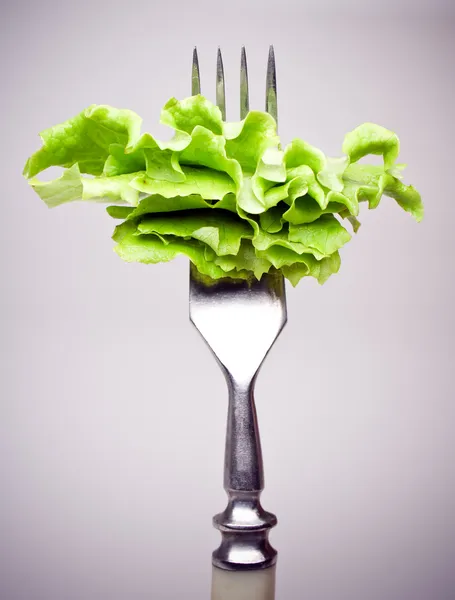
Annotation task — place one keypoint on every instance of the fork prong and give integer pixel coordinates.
(244, 94)
(270, 91)
(220, 89)
(195, 76)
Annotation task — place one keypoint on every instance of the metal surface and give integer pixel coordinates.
(240, 322)
(220, 91)
(244, 93)
(195, 76)
(271, 105)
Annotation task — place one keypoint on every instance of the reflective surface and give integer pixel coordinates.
(240, 322)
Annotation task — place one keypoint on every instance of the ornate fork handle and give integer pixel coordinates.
(244, 524)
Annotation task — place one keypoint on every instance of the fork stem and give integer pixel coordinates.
(244, 524)
(244, 469)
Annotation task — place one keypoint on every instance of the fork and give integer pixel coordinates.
(240, 322)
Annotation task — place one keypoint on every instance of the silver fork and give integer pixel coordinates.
(240, 322)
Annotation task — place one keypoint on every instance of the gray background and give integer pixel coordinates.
(112, 410)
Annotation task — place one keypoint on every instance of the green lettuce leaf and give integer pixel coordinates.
(272, 220)
(372, 139)
(263, 240)
(305, 209)
(221, 231)
(85, 139)
(326, 235)
(185, 115)
(370, 182)
(149, 249)
(320, 270)
(209, 150)
(247, 259)
(159, 159)
(225, 195)
(207, 183)
(247, 141)
(72, 186)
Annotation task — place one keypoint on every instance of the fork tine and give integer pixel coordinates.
(220, 89)
(195, 76)
(271, 105)
(244, 95)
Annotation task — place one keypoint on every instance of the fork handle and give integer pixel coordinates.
(258, 584)
(244, 524)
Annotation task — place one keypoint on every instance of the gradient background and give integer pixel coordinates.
(112, 409)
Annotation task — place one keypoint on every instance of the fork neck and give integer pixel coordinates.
(244, 471)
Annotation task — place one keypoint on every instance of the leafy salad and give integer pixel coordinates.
(226, 195)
